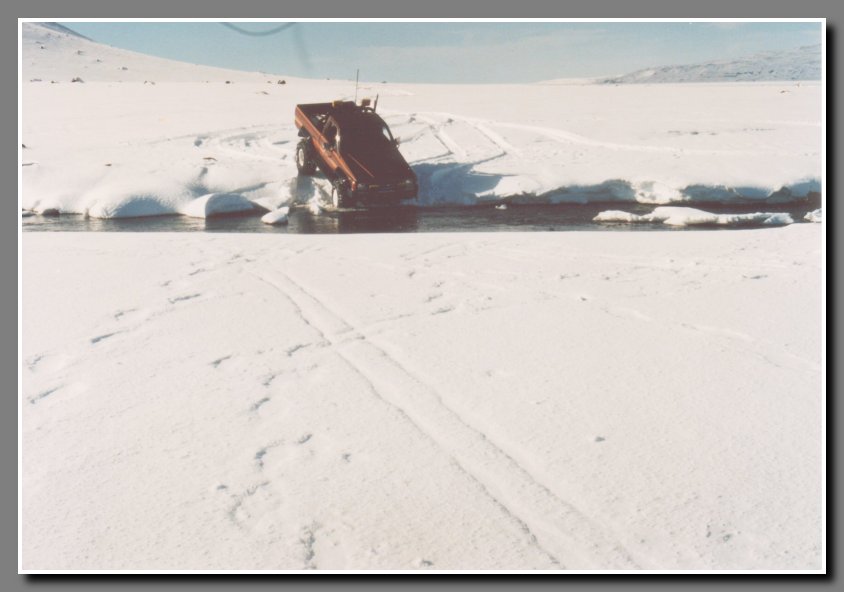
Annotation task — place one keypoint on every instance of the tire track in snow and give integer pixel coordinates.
(555, 526)
(451, 145)
(321, 312)
(563, 136)
(497, 139)
(447, 143)
(458, 151)
(256, 144)
(568, 137)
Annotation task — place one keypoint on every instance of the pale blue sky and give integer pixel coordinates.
(450, 51)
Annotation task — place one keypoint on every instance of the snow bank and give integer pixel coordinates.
(815, 215)
(165, 133)
(217, 204)
(130, 206)
(683, 216)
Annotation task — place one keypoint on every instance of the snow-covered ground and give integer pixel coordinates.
(493, 401)
(513, 401)
(144, 136)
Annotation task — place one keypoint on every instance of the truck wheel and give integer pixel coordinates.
(339, 193)
(304, 161)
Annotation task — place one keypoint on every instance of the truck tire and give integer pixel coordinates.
(305, 163)
(339, 193)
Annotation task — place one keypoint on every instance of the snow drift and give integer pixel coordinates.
(680, 216)
(144, 136)
(814, 215)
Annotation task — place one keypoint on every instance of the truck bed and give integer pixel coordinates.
(310, 116)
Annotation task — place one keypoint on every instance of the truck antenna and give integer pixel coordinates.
(357, 74)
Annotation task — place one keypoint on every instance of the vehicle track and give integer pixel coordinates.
(260, 144)
(453, 147)
(559, 135)
(561, 531)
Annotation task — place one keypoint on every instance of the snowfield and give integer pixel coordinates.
(581, 401)
(140, 136)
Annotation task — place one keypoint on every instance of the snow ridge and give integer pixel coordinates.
(56, 27)
(53, 52)
(803, 63)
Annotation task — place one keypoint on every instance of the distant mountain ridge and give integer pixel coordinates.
(803, 63)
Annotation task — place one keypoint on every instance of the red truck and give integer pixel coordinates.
(356, 151)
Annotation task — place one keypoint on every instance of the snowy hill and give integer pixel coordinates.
(52, 52)
(57, 28)
(803, 63)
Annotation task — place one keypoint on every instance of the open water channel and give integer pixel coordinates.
(519, 218)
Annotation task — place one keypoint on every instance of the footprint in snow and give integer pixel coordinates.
(66, 390)
(293, 349)
(33, 361)
(42, 395)
(258, 404)
(99, 338)
(176, 299)
(47, 362)
(259, 457)
(216, 363)
(121, 313)
(262, 452)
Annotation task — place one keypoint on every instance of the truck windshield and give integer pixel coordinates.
(366, 132)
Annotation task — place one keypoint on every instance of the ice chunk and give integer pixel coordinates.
(682, 216)
(814, 216)
(278, 216)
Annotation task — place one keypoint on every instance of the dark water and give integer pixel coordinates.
(518, 218)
